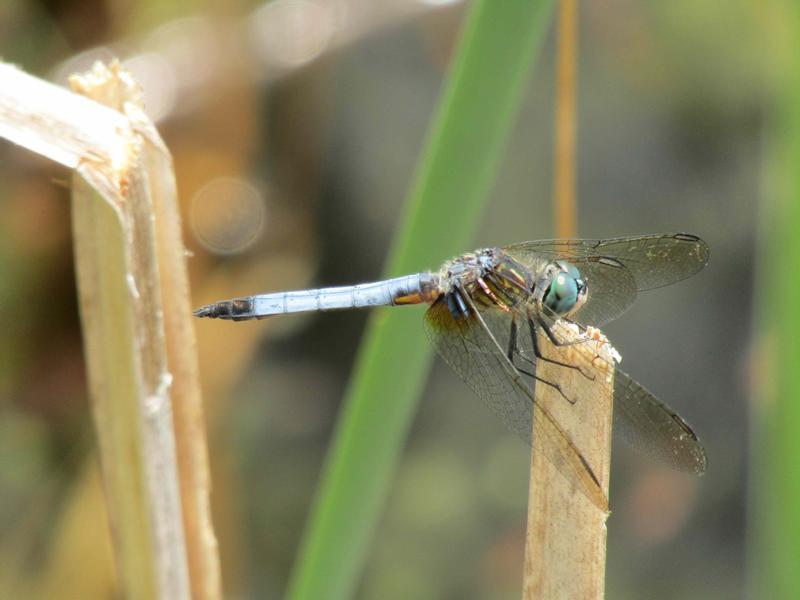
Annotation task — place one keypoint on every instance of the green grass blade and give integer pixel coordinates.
(774, 548)
(466, 142)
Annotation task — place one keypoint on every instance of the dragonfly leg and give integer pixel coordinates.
(457, 305)
(555, 386)
(512, 341)
(538, 352)
(513, 351)
(494, 298)
(552, 336)
(460, 296)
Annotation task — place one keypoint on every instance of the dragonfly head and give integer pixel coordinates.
(566, 291)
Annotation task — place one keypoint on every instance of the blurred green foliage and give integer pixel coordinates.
(464, 148)
(775, 485)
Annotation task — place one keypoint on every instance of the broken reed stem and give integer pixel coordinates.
(156, 248)
(139, 343)
(187, 405)
(565, 547)
(566, 120)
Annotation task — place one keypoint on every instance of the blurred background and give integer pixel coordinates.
(295, 127)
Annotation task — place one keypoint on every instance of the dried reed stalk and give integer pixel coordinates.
(565, 549)
(135, 310)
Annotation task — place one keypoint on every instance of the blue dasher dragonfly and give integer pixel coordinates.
(486, 311)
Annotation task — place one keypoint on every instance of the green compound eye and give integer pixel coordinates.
(566, 292)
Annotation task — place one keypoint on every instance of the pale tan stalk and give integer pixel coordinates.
(566, 121)
(565, 549)
(139, 343)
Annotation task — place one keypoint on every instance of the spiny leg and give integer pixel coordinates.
(552, 336)
(488, 291)
(495, 279)
(513, 350)
(460, 304)
(457, 305)
(538, 352)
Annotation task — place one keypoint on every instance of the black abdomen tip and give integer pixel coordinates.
(236, 310)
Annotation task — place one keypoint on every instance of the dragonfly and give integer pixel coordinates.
(487, 309)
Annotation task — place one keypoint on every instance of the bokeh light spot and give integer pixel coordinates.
(158, 82)
(227, 215)
(290, 33)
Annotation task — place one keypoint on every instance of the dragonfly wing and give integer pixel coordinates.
(650, 426)
(475, 347)
(616, 269)
(640, 419)
(653, 260)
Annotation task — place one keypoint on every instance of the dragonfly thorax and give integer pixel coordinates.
(489, 277)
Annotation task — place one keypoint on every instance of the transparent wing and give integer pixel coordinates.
(653, 260)
(652, 427)
(475, 347)
(640, 419)
(616, 269)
